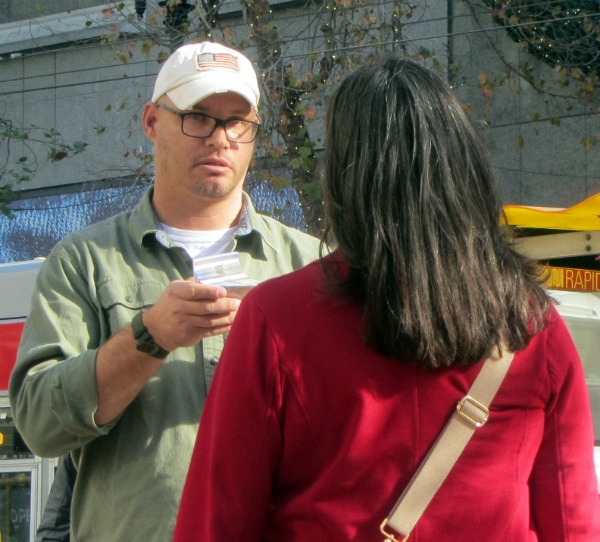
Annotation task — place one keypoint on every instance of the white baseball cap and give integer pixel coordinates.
(198, 70)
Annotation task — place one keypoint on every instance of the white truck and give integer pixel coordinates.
(567, 243)
(24, 478)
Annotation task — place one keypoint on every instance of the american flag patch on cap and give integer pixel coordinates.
(215, 61)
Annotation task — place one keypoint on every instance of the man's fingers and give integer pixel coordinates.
(217, 331)
(212, 320)
(220, 306)
(189, 311)
(203, 299)
(196, 291)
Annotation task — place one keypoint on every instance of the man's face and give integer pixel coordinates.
(211, 167)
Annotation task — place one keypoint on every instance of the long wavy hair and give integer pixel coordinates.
(412, 205)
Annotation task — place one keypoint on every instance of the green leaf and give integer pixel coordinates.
(313, 189)
(146, 48)
(79, 146)
(305, 152)
(588, 143)
(527, 71)
(279, 182)
(424, 52)
(56, 156)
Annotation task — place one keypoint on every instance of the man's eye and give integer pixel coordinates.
(200, 120)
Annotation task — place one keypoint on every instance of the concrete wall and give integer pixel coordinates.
(84, 92)
(18, 10)
(56, 72)
(548, 166)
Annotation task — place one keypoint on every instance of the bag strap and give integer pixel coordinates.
(471, 413)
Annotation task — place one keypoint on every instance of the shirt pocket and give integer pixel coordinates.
(122, 300)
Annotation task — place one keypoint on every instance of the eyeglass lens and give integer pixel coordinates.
(203, 126)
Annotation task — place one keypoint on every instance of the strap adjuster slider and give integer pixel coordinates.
(473, 411)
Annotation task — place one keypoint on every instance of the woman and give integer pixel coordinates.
(337, 379)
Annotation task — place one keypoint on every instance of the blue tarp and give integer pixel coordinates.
(43, 221)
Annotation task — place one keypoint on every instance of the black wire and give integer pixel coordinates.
(542, 173)
(135, 187)
(296, 41)
(289, 57)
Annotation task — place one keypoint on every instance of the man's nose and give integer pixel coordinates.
(218, 138)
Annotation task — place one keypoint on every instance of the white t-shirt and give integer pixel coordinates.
(201, 243)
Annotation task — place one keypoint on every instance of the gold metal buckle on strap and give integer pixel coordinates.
(388, 536)
(477, 416)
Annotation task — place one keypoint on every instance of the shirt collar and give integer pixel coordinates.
(245, 222)
(251, 223)
(143, 222)
(143, 219)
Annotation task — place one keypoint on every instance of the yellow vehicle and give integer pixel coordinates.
(566, 242)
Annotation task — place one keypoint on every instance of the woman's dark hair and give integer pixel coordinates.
(411, 202)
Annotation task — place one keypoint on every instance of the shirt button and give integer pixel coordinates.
(213, 361)
(129, 298)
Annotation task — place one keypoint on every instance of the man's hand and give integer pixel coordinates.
(188, 311)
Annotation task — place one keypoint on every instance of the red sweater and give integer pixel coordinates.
(308, 435)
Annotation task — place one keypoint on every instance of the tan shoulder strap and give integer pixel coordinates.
(471, 413)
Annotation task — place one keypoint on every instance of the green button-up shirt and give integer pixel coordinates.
(130, 472)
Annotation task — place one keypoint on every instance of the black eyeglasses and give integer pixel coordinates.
(202, 126)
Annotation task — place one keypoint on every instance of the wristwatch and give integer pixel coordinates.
(145, 341)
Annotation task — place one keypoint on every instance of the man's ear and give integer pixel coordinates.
(149, 120)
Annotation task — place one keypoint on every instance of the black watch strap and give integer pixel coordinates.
(144, 341)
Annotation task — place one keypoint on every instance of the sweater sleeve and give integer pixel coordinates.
(228, 487)
(563, 485)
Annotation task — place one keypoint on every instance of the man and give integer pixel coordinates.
(55, 525)
(119, 350)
